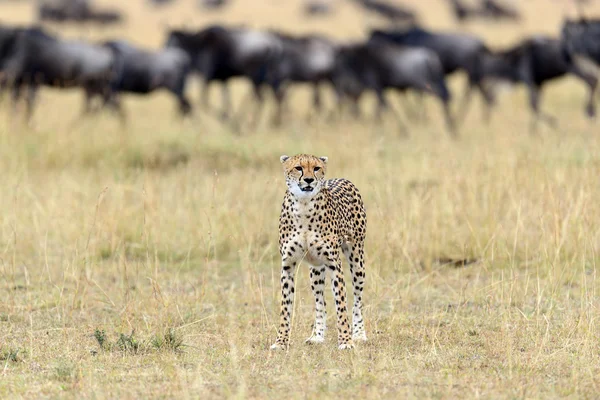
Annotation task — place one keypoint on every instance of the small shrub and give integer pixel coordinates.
(11, 355)
(168, 341)
(100, 336)
(128, 344)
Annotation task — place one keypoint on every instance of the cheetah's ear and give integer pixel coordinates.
(283, 158)
(324, 159)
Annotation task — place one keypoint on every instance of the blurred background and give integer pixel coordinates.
(499, 24)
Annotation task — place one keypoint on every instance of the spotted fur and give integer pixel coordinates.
(319, 218)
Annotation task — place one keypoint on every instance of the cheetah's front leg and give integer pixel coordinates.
(317, 278)
(287, 300)
(339, 294)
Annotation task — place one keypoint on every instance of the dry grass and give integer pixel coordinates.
(144, 263)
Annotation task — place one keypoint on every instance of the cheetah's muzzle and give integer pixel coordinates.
(307, 189)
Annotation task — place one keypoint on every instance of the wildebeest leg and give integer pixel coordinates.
(466, 101)
(384, 106)
(592, 83)
(246, 103)
(317, 103)
(185, 108)
(336, 112)
(204, 93)
(89, 95)
(114, 102)
(450, 125)
(422, 107)
(226, 98)
(3, 87)
(87, 102)
(356, 113)
(440, 90)
(260, 102)
(29, 102)
(16, 96)
(488, 101)
(534, 102)
(279, 92)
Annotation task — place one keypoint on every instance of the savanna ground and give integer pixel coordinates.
(143, 263)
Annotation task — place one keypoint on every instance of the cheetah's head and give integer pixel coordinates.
(304, 174)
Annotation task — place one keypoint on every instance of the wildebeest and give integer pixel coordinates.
(219, 54)
(36, 58)
(581, 38)
(76, 11)
(378, 65)
(160, 2)
(496, 10)
(300, 59)
(456, 51)
(141, 71)
(212, 4)
(9, 36)
(488, 9)
(317, 7)
(392, 12)
(534, 62)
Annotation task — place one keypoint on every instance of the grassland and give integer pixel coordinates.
(143, 263)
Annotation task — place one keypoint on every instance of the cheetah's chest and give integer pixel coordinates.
(311, 234)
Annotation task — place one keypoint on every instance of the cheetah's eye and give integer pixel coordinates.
(298, 168)
(317, 168)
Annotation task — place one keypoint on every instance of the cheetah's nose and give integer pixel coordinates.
(309, 180)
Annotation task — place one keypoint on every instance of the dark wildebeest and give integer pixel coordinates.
(141, 72)
(378, 65)
(8, 41)
(534, 62)
(495, 10)
(456, 51)
(315, 8)
(488, 9)
(212, 4)
(581, 40)
(160, 2)
(392, 12)
(76, 11)
(219, 54)
(37, 58)
(301, 59)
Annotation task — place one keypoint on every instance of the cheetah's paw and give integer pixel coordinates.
(278, 346)
(315, 340)
(346, 346)
(360, 336)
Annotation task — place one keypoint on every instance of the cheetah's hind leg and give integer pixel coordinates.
(354, 253)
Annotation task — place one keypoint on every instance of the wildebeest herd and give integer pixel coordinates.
(410, 58)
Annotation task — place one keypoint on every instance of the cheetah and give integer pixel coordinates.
(318, 218)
